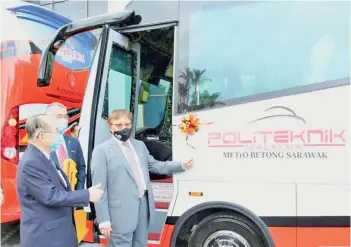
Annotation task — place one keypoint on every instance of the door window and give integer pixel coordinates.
(119, 83)
(152, 104)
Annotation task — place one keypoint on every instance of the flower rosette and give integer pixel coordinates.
(70, 169)
(190, 124)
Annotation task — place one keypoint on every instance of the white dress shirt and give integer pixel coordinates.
(123, 148)
(64, 146)
(58, 171)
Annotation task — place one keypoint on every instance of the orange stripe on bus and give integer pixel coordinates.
(323, 236)
(165, 237)
(283, 236)
(310, 236)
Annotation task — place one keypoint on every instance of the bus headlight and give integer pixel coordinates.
(10, 152)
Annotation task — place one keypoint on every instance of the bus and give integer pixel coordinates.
(20, 53)
(231, 85)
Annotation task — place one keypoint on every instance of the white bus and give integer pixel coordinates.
(269, 83)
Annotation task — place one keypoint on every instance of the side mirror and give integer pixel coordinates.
(122, 18)
(47, 62)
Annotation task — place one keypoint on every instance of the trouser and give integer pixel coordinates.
(139, 237)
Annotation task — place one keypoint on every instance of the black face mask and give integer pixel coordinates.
(123, 135)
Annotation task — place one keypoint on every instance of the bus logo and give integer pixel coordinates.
(289, 142)
(72, 81)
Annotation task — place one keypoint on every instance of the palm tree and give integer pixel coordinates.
(183, 89)
(196, 82)
(208, 99)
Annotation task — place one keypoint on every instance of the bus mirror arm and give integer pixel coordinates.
(119, 19)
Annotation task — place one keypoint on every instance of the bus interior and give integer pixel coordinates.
(153, 119)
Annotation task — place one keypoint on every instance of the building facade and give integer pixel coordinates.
(78, 9)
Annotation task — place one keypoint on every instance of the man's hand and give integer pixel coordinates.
(106, 230)
(95, 193)
(188, 164)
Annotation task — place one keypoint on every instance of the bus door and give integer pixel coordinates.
(115, 82)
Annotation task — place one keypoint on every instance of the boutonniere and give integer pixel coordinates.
(73, 151)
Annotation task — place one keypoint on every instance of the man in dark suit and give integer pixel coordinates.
(44, 192)
(75, 130)
(70, 146)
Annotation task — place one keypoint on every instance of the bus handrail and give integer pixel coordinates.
(122, 18)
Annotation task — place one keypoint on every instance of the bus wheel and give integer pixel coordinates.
(225, 229)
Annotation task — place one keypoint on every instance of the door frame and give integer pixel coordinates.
(99, 77)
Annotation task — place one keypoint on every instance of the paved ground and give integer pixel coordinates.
(10, 236)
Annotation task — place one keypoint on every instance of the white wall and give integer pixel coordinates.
(116, 5)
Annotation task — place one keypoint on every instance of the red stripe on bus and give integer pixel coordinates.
(162, 205)
(154, 236)
(163, 180)
(89, 237)
(165, 238)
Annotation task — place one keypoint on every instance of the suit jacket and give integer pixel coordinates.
(74, 151)
(120, 202)
(46, 204)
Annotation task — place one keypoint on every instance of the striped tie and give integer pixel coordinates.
(136, 169)
(62, 155)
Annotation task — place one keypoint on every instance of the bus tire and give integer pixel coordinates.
(228, 229)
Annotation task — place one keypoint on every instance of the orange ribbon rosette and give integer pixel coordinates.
(190, 124)
(70, 169)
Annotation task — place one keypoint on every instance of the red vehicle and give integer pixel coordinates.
(20, 54)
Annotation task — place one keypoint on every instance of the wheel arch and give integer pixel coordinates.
(218, 206)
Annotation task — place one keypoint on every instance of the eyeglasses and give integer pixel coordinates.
(46, 133)
(127, 125)
(60, 116)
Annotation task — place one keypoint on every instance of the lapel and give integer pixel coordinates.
(119, 153)
(53, 169)
(48, 163)
(68, 146)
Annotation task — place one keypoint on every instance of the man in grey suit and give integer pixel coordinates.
(122, 167)
(44, 192)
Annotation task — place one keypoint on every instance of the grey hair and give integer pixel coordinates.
(51, 107)
(35, 125)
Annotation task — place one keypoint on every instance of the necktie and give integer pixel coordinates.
(137, 173)
(59, 171)
(62, 155)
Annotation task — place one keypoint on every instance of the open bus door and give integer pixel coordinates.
(114, 83)
(110, 42)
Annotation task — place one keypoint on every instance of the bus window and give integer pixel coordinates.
(151, 113)
(239, 52)
(119, 81)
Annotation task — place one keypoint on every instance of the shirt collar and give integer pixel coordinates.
(120, 142)
(47, 155)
